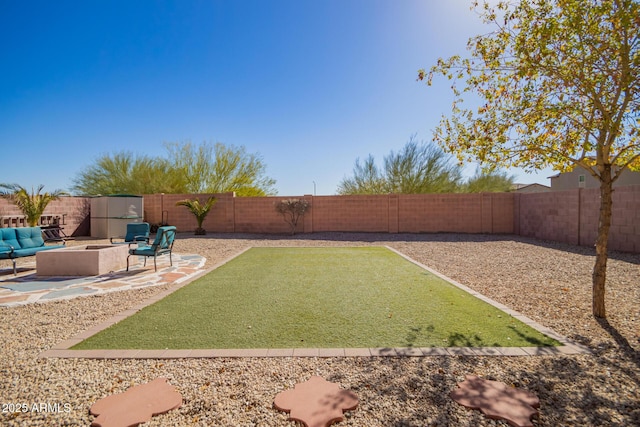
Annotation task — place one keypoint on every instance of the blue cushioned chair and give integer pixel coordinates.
(162, 244)
(137, 232)
(22, 242)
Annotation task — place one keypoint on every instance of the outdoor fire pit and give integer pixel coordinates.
(88, 260)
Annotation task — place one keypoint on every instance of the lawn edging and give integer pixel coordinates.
(62, 349)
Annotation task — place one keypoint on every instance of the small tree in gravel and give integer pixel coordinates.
(199, 210)
(292, 210)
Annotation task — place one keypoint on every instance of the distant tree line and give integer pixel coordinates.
(218, 168)
(419, 168)
(187, 169)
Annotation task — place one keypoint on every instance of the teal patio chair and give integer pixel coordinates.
(137, 232)
(162, 244)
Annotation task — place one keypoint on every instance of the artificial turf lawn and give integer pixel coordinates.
(317, 298)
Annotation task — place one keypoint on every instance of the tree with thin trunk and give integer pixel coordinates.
(31, 204)
(559, 85)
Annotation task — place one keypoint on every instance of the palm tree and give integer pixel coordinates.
(31, 204)
(199, 210)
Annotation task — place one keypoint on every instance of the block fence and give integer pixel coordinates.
(73, 213)
(565, 216)
(572, 217)
(425, 213)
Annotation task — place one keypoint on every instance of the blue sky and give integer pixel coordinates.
(310, 85)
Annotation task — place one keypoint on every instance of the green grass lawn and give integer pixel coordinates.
(317, 297)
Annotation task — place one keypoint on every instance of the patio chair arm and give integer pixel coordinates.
(4, 248)
(138, 239)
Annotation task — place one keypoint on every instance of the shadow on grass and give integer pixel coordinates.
(413, 334)
(472, 340)
(531, 340)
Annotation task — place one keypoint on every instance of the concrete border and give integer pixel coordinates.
(62, 349)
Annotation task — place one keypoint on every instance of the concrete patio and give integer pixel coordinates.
(28, 287)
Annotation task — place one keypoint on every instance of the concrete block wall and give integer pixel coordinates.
(427, 213)
(360, 213)
(153, 208)
(589, 214)
(456, 213)
(76, 211)
(566, 216)
(219, 220)
(550, 216)
(502, 207)
(572, 217)
(433, 213)
(259, 215)
(625, 218)
(229, 214)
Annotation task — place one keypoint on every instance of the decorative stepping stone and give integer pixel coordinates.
(136, 405)
(497, 401)
(316, 402)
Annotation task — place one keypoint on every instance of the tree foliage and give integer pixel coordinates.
(421, 168)
(207, 168)
(488, 182)
(559, 84)
(418, 168)
(125, 173)
(220, 168)
(367, 179)
(31, 204)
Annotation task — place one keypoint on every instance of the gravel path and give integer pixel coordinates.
(548, 282)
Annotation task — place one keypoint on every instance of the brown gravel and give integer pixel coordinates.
(548, 282)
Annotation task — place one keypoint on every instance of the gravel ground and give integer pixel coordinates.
(548, 282)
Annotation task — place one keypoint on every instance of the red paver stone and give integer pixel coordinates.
(497, 400)
(316, 402)
(136, 405)
(109, 285)
(171, 277)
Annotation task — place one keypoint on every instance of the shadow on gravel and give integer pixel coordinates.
(570, 393)
(624, 346)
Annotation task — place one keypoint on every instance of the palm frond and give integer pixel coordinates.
(199, 210)
(31, 204)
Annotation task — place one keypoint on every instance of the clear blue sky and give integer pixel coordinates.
(310, 85)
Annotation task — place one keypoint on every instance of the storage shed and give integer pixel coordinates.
(111, 214)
